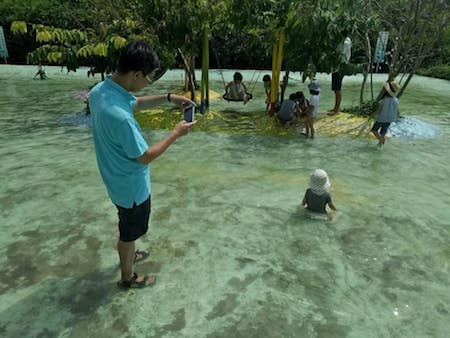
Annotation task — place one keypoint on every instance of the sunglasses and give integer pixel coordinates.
(149, 79)
(150, 76)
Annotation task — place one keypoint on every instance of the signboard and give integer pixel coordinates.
(380, 49)
(3, 49)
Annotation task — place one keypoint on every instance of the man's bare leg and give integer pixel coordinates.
(338, 98)
(126, 255)
(337, 103)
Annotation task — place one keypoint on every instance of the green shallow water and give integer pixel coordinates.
(232, 256)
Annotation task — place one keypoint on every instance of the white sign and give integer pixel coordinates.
(380, 49)
(3, 49)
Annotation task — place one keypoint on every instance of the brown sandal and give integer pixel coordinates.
(134, 284)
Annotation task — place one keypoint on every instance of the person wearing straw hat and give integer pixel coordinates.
(387, 111)
(317, 196)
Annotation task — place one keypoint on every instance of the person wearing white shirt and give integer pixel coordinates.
(337, 76)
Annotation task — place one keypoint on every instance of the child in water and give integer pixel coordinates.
(317, 196)
(304, 113)
(314, 90)
(387, 111)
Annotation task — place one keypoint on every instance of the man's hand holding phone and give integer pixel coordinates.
(189, 114)
(188, 122)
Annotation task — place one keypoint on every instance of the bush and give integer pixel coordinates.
(366, 109)
(440, 72)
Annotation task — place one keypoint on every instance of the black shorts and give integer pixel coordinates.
(381, 126)
(133, 222)
(336, 81)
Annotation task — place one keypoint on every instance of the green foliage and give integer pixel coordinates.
(445, 45)
(415, 30)
(19, 27)
(67, 14)
(97, 47)
(365, 109)
(315, 30)
(439, 71)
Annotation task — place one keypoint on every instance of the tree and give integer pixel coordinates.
(98, 48)
(415, 27)
(181, 25)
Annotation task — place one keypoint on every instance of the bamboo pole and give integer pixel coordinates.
(204, 104)
(277, 61)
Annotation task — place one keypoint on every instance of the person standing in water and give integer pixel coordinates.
(387, 111)
(123, 154)
(338, 75)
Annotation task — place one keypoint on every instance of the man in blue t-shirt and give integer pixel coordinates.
(123, 154)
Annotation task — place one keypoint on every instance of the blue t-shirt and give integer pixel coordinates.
(118, 143)
(389, 109)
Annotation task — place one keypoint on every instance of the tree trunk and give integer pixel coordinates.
(189, 80)
(368, 69)
(410, 76)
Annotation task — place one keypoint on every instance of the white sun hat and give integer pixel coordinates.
(319, 182)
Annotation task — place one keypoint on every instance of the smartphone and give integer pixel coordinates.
(189, 114)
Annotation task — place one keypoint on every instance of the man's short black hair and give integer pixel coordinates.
(137, 55)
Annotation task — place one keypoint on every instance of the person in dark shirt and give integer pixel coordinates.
(317, 196)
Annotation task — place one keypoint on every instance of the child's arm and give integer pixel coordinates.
(304, 204)
(227, 87)
(331, 205)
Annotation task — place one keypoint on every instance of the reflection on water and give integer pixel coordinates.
(232, 255)
(79, 119)
(412, 127)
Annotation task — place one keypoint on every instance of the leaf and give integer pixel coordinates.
(118, 41)
(43, 36)
(18, 27)
(100, 49)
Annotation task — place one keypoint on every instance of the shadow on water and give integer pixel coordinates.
(79, 119)
(58, 304)
(53, 281)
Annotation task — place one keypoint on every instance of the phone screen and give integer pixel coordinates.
(189, 114)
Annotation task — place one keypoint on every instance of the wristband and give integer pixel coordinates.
(168, 97)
